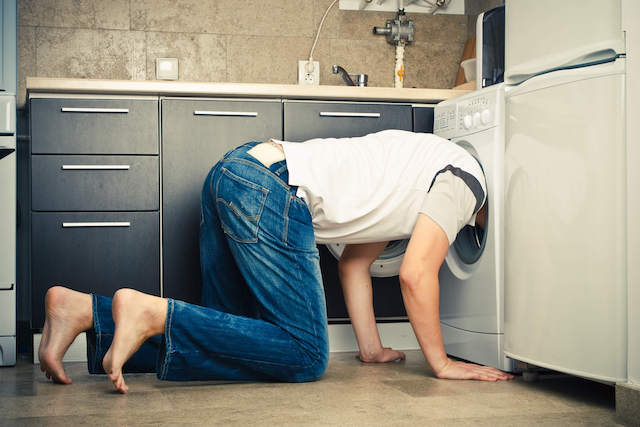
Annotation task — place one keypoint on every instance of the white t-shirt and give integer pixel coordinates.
(371, 188)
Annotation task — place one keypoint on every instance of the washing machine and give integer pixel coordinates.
(472, 275)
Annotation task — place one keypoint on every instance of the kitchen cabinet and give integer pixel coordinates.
(95, 196)
(423, 119)
(195, 135)
(94, 126)
(116, 184)
(93, 252)
(305, 120)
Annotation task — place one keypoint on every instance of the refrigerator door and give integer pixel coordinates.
(565, 222)
(545, 35)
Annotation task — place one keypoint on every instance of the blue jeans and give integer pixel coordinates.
(263, 314)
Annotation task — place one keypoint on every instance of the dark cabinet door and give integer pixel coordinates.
(307, 120)
(195, 135)
(93, 252)
(94, 126)
(423, 119)
(95, 183)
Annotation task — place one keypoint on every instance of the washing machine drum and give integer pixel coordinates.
(387, 264)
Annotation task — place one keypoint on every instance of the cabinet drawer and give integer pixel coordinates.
(95, 183)
(306, 120)
(93, 252)
(94, 126)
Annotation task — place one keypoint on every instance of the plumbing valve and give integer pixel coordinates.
(398, 30)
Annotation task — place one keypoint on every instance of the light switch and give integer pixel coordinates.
(167, 68)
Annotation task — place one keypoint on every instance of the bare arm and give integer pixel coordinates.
(421, 293)
(356, 285)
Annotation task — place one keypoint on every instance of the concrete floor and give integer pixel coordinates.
(350, 393)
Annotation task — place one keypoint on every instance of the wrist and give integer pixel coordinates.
(439, 364)
(370, 354)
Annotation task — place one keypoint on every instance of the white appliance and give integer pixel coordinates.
(7, 230)
(565, 194)
(471, 278)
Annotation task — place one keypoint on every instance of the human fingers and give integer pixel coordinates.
(490, 374)
(390, 355)
(500, 374)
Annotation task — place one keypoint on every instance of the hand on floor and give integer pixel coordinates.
(455, 370)
(387, 354)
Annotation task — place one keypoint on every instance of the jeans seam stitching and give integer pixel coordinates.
(262, 168)
(285, 231)
(255, 218)
(96, 328)
(243, 181)
(224, 356)
(169, 349)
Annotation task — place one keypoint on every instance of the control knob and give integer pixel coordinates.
(476, 119)
(485, 117)
(467, 121)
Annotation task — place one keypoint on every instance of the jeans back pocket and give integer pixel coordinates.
(240, 203)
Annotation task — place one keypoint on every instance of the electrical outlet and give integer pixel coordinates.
(308, 73)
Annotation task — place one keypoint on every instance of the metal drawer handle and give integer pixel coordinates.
(96, 167)
(94, 110)
(95, 224)
(340, 114)
(5, 288)
(226, 113)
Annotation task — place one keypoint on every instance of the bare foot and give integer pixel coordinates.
(68, 313)
(138, 317)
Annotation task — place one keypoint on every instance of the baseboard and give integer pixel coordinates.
(399, 336)
(77, 351)
(341, 339)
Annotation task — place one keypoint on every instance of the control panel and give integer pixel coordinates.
(444, 120)
(476, 113)
(469, 113)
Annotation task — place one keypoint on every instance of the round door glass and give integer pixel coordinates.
(471, 240)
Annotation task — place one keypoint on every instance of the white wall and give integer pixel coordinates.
(631, 23)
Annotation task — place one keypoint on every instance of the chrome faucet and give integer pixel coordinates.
(360, 79)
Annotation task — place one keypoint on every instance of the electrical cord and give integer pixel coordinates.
(310, 62)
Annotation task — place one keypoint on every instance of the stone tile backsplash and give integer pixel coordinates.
(248, 41)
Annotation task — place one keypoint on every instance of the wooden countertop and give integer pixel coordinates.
(41, 85)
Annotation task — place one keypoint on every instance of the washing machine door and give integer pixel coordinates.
(470, 280)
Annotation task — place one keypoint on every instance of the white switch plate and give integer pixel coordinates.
(167, 68)
(306, 76)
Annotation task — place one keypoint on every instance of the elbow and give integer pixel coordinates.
(413, 280)
(409, 280)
